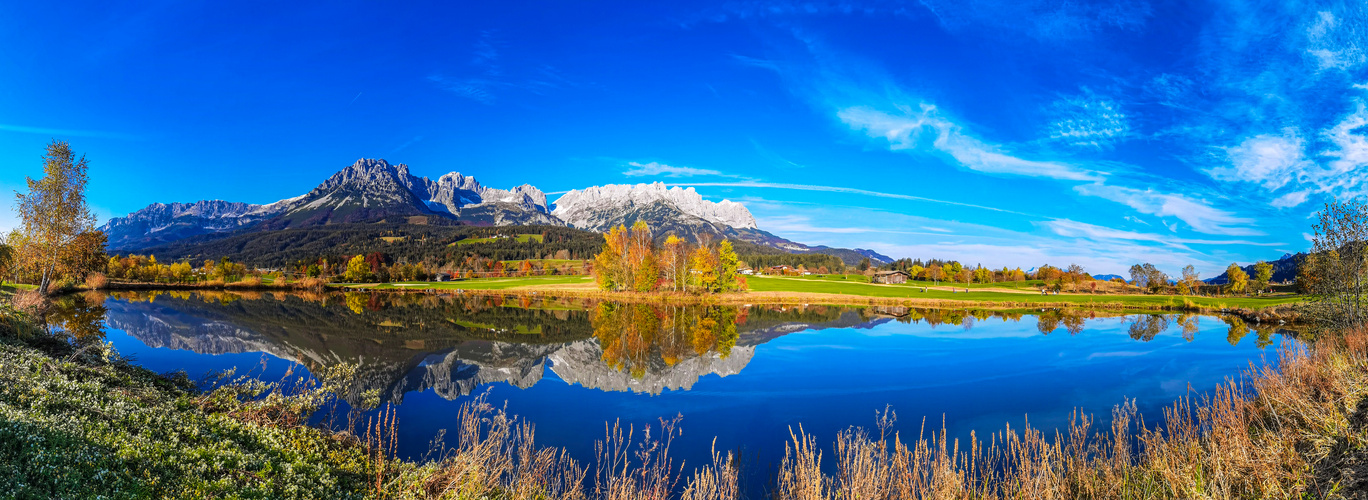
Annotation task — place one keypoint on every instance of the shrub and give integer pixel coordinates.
(30, 302)
(248, 282)
(96, 281)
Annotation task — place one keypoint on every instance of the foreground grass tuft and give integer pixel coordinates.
(78, 422)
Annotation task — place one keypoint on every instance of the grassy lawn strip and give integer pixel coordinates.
(480, 283)
(522, 238)
(774, 284)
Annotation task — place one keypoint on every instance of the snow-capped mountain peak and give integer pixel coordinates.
(597, 206)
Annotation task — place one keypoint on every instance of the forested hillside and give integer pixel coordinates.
(433, 245)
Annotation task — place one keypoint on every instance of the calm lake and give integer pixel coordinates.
(740, 375)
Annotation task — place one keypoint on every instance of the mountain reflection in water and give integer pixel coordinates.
(456, 343)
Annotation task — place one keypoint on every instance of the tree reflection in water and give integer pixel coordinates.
(632, 336)
(81, 315)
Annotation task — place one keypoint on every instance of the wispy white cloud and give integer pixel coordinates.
(484, 75)
(1350, 154)
(662, 170)
(66, 132)
(837, 189)
(1269, 160)
(1278, 162)
(804, 224)
(1198, 215)
(755, 62)
(1071, 228)
(1040, 20)
(406, 144)
(1290, 200)
(1136, 220)
(1088, 121)
(914, 126)
(1333, 43)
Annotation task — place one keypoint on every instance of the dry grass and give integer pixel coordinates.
(30, 302)
(314, 284)
(1300, 430)
(1294, 431)
(96, 281)
(248, 282)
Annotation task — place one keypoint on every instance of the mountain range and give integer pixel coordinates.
(374, 190)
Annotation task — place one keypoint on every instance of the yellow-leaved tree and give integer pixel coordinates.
(1237, 281)
(57, 226)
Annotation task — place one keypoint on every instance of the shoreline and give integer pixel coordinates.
(1282, 313)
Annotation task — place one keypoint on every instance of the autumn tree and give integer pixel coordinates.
(1146, 276)
(674, 262)
(1047, 272)
(1190, 278)
(703, 269)
(1263, 273)
(1307, 279)
(1339, 268)
(934, 273)
(727, 264)
(953, 271)
(608, 269)
(647, 274)
(357, 269)
(53, 216)
(1074, 274)
(1237, 281)
(642, 273)
(6, 261)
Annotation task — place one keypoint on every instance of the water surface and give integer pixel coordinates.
(743, 376)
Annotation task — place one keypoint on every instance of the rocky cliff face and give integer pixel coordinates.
(581, 363)
(599, 208)
(166, 222)
(369, 190)
(473, 364)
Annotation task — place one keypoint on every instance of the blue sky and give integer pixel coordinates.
(995, 132)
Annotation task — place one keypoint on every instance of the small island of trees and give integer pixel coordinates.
(631, 261)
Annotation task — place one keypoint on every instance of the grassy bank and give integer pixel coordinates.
(77, 421)
(776, 290)
(831, 290)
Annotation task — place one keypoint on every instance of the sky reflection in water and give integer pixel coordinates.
(742, 375)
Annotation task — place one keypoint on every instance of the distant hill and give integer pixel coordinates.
(1284, 269)
(1108, 277)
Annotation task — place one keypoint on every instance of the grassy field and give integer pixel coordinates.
(482, 283)
(522, 238)
(801, 286)
(860, 278)
(10, 288)
(544, 262)
(914, 291)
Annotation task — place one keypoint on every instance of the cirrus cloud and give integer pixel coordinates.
(662, 170)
